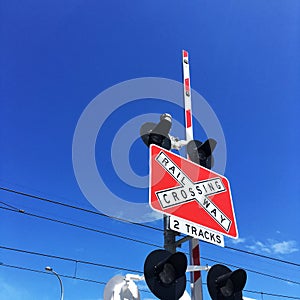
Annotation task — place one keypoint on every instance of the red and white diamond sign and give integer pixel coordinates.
(181, 188)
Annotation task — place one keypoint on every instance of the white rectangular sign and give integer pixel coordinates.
(196, 231)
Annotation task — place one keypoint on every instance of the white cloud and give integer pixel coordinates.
(285, 247)
(238, 241)
(259, 247)
(274, 247)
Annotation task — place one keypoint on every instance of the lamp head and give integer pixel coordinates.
(224, 284)
(201, 153)
(165, 274)
(158, 134)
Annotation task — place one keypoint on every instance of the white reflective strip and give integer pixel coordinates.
(179, 195)
(197, 268)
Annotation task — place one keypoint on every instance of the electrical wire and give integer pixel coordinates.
(61, 275)
(69, 259)
(14, 209)
(264, 256)
(253, 271)
(44, 272)
(8, 205)
(135, 271)
(137, 224)
(142, 290)
(79, 226)
(78, 208)
(138, 241)
(272, 295)
(268, 294)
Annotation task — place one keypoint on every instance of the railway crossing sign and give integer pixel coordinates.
(183, 189)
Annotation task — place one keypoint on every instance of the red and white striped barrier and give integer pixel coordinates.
(196, 280)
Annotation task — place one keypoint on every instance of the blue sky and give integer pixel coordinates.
(57, 56)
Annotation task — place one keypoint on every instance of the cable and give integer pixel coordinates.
(62, 275)
(142, 290)
(264, 256)
(80, 226)
(129, 270)
(138, 224)
(139, 241)
(44, 272)
(69, 259)
(268, 294)
(272, 295)
(10, 206)
(77, 208)
(118, 236)
(252, 271)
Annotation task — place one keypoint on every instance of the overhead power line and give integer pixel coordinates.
(8, 205)
(134, 240)
(134, 223)
(69, 259)
(44, 272)
(264, 256)
(135, 271)
(252, 271)
(78, 226)
(272, 294)
(78, 208)
(142, 290)
(61, 275)
(130, 239)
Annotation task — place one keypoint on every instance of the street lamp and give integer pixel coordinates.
(49, 269)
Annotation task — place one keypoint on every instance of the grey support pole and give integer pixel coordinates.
(169, 236)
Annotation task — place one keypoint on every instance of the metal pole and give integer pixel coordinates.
(169, 236)
(49, 269)
(196, 279)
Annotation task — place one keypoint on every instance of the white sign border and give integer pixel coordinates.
(165, 213)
